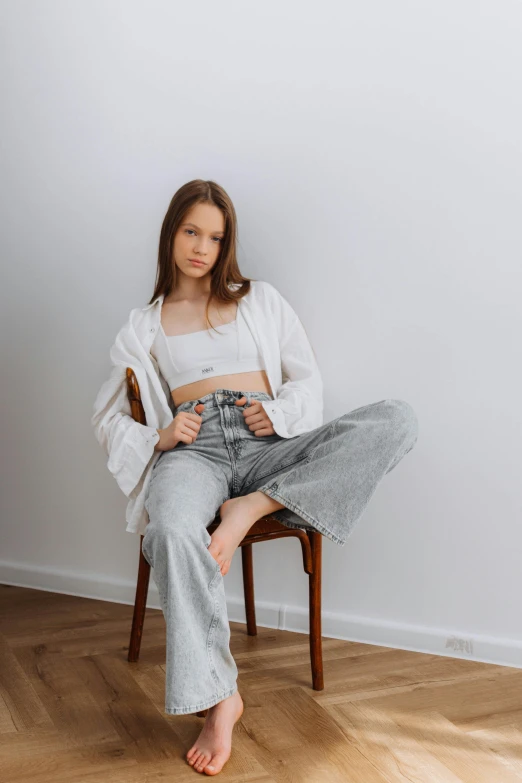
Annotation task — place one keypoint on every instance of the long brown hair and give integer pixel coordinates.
(226, 270)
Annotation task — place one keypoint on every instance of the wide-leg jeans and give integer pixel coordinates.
(324, 478)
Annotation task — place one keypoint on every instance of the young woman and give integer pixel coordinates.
(234, 424)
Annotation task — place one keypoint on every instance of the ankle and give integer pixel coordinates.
(232, 697)
(262, 504)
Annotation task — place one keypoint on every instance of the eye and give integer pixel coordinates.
(191, 229)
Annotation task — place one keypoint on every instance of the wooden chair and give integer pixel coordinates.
(265, 529)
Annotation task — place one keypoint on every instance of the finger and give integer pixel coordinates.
(260, 424)
(241, 401)
(255, 418)
(264, 431)
(253, 409)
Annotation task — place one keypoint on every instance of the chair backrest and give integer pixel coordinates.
(133, 393)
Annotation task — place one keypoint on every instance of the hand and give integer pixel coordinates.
(256, 418)
(184, 428)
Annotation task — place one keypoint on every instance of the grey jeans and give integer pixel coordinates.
(324, 478)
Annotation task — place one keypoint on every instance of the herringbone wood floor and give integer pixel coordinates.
(73, 709)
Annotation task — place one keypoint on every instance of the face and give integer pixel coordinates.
(199, 236)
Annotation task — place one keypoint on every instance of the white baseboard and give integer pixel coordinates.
(434, 641)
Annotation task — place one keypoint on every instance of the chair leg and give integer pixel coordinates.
(248, 587)
(316, 650)
(140, 605)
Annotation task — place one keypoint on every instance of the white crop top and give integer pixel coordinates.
(186, 358)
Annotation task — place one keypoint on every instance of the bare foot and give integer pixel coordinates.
(213, 747)
(237, 517)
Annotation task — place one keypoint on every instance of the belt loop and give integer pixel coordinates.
(247, 395)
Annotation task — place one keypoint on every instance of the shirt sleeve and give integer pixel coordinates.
(298, 406)
(128, 444)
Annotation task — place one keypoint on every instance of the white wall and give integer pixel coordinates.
(372, 151)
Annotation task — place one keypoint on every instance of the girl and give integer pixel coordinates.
(234, 424)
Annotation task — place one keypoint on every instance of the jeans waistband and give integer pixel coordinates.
(223, 397)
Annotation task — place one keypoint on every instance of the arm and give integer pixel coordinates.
(128, 444)
(298, 406)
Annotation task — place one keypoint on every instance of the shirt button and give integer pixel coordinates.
(152, 329)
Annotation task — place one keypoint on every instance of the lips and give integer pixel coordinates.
(197, 261)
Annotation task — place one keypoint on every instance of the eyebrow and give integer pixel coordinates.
(193, 224)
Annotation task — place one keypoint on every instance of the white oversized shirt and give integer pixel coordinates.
(290, 364)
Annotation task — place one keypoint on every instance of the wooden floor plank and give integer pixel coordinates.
(19, 698)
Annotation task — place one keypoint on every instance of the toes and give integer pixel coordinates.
(205, 758)
(216, 763)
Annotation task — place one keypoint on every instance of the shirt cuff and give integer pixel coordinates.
(276, 416)
(146, 435)
(139, 450)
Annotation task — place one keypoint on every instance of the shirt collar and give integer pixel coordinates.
(161, 297)
(158, 299)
